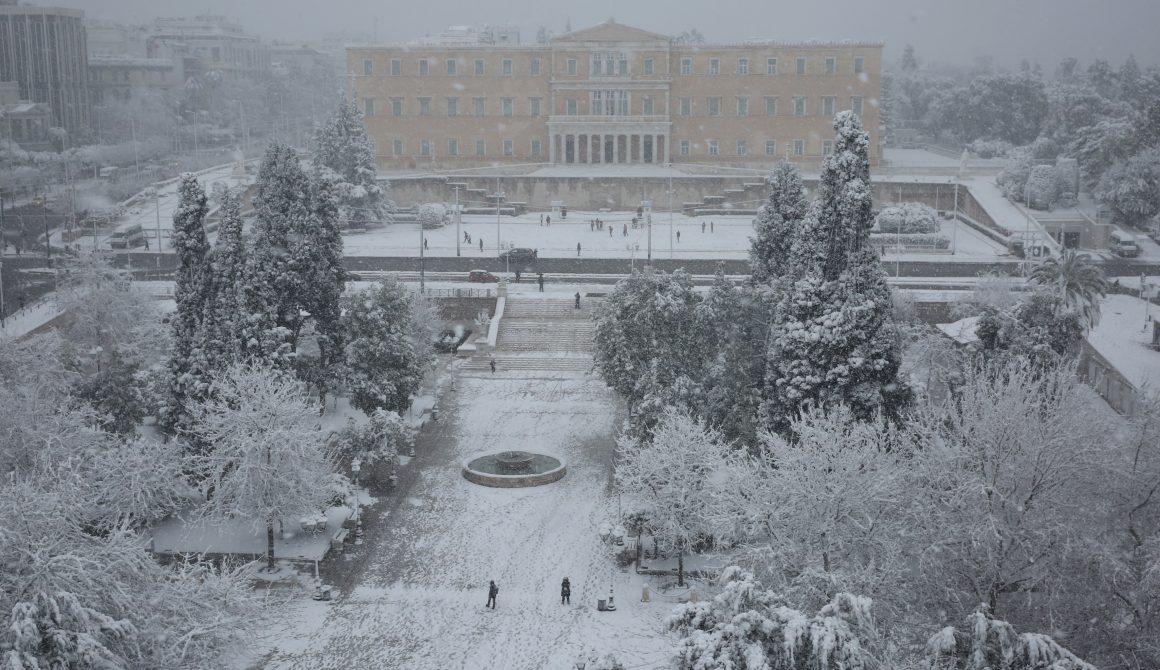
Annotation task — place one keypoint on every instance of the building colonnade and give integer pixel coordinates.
(608, 148)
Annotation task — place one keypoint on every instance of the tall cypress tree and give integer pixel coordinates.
(187, 366)
(225, 315)
(770, 251)
(346, 155)
(274, 270)
(831, 340)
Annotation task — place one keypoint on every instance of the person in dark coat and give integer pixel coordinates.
(577, 248)
(492, 590)
(492, 366)
(540, 279)
(566, 592)
(577, 300)
(481, 244)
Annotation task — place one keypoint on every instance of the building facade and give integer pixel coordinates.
(43, 50)
(214, 44)
(612, 94)
(126, 60)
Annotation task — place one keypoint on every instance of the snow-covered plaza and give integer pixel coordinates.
(418, 602)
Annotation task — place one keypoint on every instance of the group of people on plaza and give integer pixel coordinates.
(565, 593)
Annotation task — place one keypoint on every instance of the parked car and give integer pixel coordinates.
(481, 277)
(1124, 244)
(519, 255)
(449, 340)
(127, 238)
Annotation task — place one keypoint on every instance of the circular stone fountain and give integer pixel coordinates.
(513, 469)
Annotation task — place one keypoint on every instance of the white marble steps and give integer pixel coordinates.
(547, 308)
(527, 363)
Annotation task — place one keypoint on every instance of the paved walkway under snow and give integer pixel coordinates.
(419, 602)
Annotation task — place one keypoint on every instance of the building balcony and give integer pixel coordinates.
(606, 119)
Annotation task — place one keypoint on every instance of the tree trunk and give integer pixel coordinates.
(681, 566)
(270, 545)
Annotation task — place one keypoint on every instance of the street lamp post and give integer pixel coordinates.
(422, 243)
(670, 166)
(457, 220)
(955, 222)
(157, 209)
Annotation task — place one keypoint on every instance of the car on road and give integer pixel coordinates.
(481, 277)
(519, 255)
(1124, 244)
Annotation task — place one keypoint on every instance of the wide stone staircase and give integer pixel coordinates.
(541, 334)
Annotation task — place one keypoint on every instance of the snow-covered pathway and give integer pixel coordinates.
(420, 601)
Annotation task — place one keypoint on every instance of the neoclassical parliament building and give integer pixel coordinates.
(612, 94)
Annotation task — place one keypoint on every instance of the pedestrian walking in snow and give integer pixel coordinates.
(610, 231)
(577, 248)
(678, 236)
(626, 230)
(710, 226)
(492, 364)
(566, 592)
(517, 276)
(146, 245)
(540, 279)
(541, 219)
(548, 219)
(577, 300)
(591, 224)
(425, 245)
(702, 227)
(481, 245)
(492, 589)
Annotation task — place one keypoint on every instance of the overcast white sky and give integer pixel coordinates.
(941, 30)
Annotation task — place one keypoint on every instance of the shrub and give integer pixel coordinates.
(990, 148)
(905, 218)
(432, 215)
(888, 241)
(1013, 179)
(1042, 187)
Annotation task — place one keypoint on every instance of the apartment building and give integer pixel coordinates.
(43, 50)
(612, 94)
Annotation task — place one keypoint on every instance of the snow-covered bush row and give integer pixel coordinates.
(990, 148)
(906, 217)
(929, 241)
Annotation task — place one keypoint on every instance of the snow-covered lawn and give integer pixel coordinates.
(419, 603)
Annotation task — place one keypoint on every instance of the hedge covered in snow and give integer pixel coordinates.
(906, 217)
(937, 241)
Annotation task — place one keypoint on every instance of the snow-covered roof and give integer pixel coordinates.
(1124, 338)
(961, 331)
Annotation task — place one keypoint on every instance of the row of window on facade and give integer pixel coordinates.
(684, 148)
(617, 64)
(619, 103)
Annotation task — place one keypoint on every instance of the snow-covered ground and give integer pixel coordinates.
(419, 604)
(30, 318)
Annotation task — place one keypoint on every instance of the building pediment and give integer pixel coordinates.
(611, 31)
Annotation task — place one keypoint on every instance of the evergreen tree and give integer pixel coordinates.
(776, 223)
(226, 314)
(187, 365)
(385, 364)
(321, 250)
(345, 155)
(275, 282)
(830, 340)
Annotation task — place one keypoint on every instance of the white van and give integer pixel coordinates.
(1124, 244)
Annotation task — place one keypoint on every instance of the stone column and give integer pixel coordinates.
(657, 148)
(628, 148)
(668, 147)
(588, 145)
(552, 148)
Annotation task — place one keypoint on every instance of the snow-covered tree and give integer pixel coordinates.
(684, 480)
(985, 643)
(187, 365)
(275, 282)
(226, 314)
(106, 312)
(746, 627)
(997, 485)
(1040, 328)
(776, 224)
(907, 218)
(321, 261)
(1132, 188)
(1077, 280)
(648, 338)
(73, 599)
(1042, 187)
(831, 340)
(829, 505)
(383, 438)
(115, 393)
(431, 215)
(385, 363)
(269, 461)
(346, 157)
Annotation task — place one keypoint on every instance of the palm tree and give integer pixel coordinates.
(1080, 283)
